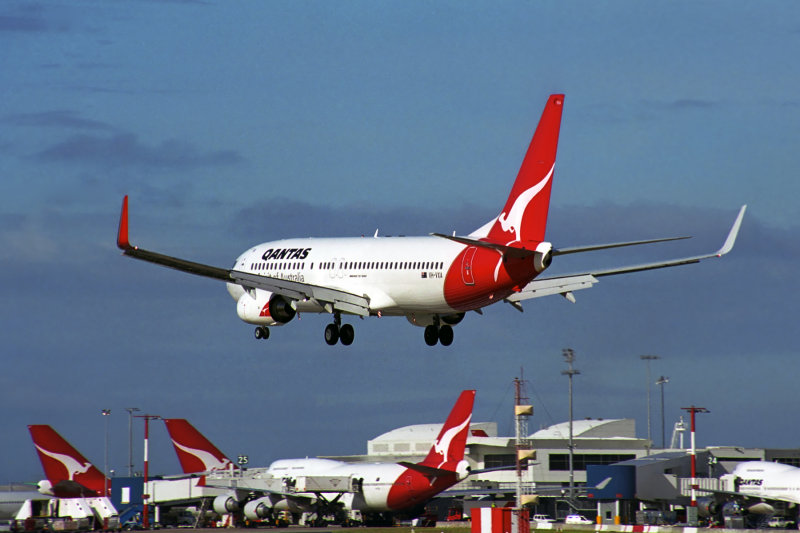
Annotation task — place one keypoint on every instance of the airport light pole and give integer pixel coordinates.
(130, 410)
(146, 496)
(569, 356)
(106, 413)
(648, 358)
(662, 381)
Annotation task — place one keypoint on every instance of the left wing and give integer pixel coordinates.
(564, 285)
(330, 299)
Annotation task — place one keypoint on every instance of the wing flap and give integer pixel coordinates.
(340, 300)
(549, 286)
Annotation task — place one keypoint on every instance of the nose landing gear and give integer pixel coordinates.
(262, 332)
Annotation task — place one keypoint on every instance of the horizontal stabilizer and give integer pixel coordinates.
(427, 470)
(510, 251)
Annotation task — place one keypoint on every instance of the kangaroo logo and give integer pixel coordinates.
(512, 222)
(442, 446)
(209, 461)
(73, 467)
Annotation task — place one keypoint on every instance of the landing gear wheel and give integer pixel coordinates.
(347, 334)
(331, 334)
(262, 332)
(431, 335)
(446, 335)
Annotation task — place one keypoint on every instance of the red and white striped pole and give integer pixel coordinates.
(145, 495)
(693, 450)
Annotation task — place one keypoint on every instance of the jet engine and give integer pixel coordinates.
(258, 508)
(543, 256)
(463, 469)
(264, 308)
(707, 507)
(453, 319)
(226, 503)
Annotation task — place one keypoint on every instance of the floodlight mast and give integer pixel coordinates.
(130, 410)
(647, 359)
(569, 357)
(663, 380)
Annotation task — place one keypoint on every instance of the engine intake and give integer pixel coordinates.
(280, 309)
(258, 508)
(225, 503)
(264, 308)
(543, 256)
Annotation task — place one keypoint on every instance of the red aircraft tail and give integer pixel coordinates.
(448, 449)
(524, 217)
(70, 474)
(195, 452)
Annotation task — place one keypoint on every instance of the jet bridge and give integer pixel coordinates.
(263, 481)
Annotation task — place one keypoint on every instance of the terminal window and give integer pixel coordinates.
(560, 461)
(500, 460)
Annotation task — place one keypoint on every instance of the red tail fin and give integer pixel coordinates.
(65, 466)
(195, 452)
(524, 216)
(449, 446)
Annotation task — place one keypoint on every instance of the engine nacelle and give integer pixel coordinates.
(543, 256)
(453, 319)
(226, 503)
(707, 507)
(264, 309)
(463, 469)
(258, 508)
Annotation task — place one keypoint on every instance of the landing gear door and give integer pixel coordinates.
(466, 266)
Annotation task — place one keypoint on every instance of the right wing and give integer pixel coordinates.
(330, 299)
(564, 285)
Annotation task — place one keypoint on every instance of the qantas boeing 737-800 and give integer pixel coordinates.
(432, 280)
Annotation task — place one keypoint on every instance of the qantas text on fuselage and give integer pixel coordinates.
(432, 280)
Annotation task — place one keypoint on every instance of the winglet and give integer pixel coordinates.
(731, 240)
(122, 233)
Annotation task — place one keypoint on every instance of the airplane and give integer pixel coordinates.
(372, 488)
(69, 473)
(759, 488)
(432, 280)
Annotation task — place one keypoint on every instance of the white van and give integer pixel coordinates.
(577, 519)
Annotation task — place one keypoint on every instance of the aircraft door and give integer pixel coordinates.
(466, 266)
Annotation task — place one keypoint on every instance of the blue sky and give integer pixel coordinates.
(233, 123)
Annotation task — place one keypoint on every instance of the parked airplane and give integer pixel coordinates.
(69, 473)
(371, 488)
(759, 487)
(432, 281)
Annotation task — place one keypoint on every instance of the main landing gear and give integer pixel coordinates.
(339, 332)
(262, 332)
(435, 333)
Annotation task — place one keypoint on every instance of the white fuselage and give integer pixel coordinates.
(399, 275)
(769, 480)
(377, 478)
